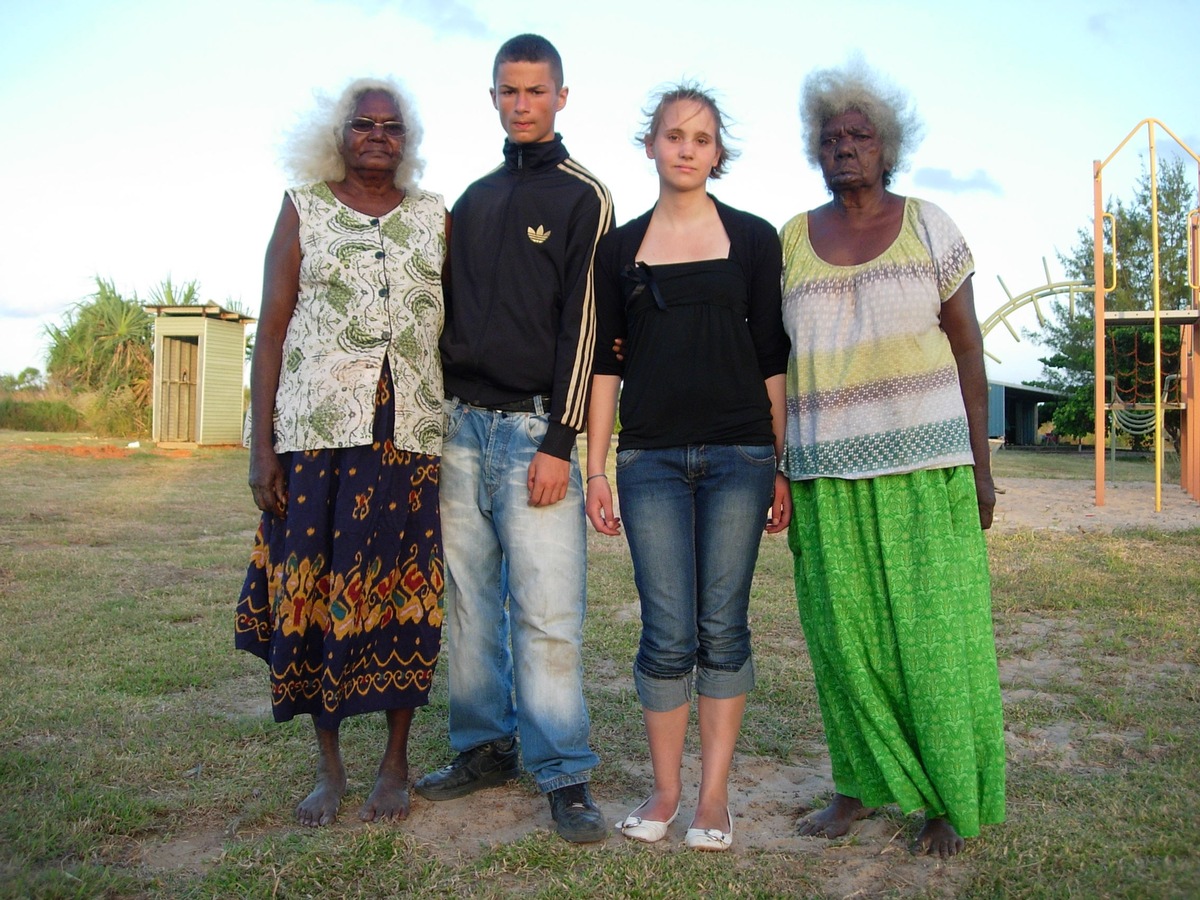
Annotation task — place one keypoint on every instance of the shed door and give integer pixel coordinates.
(177, 392)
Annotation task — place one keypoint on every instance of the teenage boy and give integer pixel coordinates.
(517, 360)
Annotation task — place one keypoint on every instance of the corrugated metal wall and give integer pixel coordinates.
(198, 368)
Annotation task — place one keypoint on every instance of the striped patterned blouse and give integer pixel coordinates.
(872, 384)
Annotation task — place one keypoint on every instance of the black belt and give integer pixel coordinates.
(516, 406)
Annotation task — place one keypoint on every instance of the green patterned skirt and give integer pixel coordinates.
(895, 600)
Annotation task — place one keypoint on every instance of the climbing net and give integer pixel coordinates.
(1133, 379)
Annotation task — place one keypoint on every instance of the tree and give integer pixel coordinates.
(28, 379)
(167, 294)
(105, 348)
(104, 343)
(1070, 368)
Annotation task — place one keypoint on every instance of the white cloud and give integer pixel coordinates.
(945, 180)
(444, 17)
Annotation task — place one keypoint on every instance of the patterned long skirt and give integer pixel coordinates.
(343, 596)
(895, 600)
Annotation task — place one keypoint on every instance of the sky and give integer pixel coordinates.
(142, 138)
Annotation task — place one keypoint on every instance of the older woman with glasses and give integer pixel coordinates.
(343, 594)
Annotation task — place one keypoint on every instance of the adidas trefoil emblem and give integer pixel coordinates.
(538, 235)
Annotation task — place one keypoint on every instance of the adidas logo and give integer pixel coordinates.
(538, 235)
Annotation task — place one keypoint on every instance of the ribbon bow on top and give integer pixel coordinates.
(640, 272)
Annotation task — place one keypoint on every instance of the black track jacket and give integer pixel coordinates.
(520, 305)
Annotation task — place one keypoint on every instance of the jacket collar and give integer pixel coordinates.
(532, 157)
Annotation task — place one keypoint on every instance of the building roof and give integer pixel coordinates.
(208, 310)
(1027, 392)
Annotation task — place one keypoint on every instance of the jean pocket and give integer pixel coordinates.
(757, 454)
(536, 428)
(452, 418)
(625, 457)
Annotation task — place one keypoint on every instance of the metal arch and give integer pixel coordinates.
(1034, 296)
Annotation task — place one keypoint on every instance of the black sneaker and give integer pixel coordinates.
(480, 767)
(576, 814)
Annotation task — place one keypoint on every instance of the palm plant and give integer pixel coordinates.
(167, 294)
(104, 344)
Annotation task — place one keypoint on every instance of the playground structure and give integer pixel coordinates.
(1148, 417)
(1031, 298)
(1177, 391)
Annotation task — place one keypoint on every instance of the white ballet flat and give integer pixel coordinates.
(645, 830)
(712, 839)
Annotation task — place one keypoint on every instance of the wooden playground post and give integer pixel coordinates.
(1189, 366)
(1189, 393)
(1157, 294)
(1098, 310)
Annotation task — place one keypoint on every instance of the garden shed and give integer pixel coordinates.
(199, 360)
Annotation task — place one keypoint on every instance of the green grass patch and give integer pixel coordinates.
(1080, 464)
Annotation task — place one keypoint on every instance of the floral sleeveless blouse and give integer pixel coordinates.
(370, 288)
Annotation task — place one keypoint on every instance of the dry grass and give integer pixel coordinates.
(139, 760)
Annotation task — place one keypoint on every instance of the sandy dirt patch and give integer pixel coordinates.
(101, 451)
(1069, 505)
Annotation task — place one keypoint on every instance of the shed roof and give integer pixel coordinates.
(208, 310)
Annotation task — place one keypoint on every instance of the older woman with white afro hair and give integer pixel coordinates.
(342, 597)
(831, 92)
(888, 458)
(313, 148)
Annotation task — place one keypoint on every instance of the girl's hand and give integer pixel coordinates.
(780, 514)
(599, 506)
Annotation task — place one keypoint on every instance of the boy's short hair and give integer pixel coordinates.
(531, 48)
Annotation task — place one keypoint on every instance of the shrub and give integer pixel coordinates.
(39, 415)
(117, 413)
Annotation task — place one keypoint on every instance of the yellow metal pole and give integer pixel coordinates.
(1098, 310)
(1158, 407)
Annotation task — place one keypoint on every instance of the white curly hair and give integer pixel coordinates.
(313, 149)
(856, 86)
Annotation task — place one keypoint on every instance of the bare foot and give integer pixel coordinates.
(388, 801)
(835, 819)
(321, 806)
(938, 838)
(389, 798)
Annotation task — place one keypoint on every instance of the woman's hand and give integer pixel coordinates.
(961, 325)
(281, 289)
(780, 514)
(599, 506)
(985, 489)
(268, 483)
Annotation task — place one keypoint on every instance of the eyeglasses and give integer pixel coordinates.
(363, 125)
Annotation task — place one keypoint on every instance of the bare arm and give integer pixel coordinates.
(781, 506)
(601, 415)
(966, 342)
(281, 288)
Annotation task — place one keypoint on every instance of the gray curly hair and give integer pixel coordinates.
(855, 86)
(313, 149)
